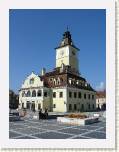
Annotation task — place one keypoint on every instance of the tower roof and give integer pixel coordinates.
(66, 40)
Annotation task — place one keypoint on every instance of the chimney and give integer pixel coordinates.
(43, 71)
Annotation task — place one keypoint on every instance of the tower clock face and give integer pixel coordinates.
(62, 53)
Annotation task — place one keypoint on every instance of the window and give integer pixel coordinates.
(89, 96)
(23, 94)
(93, 106)
(45, 94)
(70, 94)
(88, 106)
(51, 79)
(22, 105)
(39, 106)
(82, 107)
(28, 94)
(34, 93)
(70, 107)
(92, 96)
(54, 94)
(28, 105)
(73, 53)
(84, 96)
(31, 81)
(54, 81)
(61, 80)
(75, 107)
(61, 94)
(79, 94)
(58, 82)
(75, 94)
(54, 105)
(39, 93)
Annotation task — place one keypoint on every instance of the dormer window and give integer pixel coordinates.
(73, 53)
(31, 81)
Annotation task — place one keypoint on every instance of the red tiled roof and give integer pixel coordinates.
(101, 94)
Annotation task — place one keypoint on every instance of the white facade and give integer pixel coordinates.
(100, 102)
(33, 95)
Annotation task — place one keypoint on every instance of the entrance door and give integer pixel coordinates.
(39, 106)
(28, 105)
(33, 106)
(22, 105)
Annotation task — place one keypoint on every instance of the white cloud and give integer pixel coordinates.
(101, 86)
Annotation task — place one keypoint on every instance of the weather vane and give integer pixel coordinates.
(67, 27)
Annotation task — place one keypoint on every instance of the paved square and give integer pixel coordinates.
(51, 129)
(73, 131)
(52, 135)
(98, 135)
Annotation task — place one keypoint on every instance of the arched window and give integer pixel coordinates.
(31, 81)
(23, 94)
(39, 93)
(34, 93)
(28, 94)
(58, 81)
(54, 81)
(61, 80)
(70, 81)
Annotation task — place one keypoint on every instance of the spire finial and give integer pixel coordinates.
(67, 28)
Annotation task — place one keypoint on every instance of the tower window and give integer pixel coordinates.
(70, 94)
(61, 94)
(75, 94)
(54, 94)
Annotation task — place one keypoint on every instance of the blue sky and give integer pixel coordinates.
(35, 33)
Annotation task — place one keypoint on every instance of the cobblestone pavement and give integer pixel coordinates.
(51, 129)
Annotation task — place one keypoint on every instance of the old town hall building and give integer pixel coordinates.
(61, 90)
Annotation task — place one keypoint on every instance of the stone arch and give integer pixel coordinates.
(54, 81)
(28, 94)
(58, 81)
(34, 93)
(23, 93)
(39, 93)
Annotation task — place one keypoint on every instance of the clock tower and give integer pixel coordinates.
(67, 53)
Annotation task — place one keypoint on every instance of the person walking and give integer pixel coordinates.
(46, 112)
(40, 114)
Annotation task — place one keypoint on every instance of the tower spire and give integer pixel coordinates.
(67, 28)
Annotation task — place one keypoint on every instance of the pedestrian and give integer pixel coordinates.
(46, 112)
(40, 114)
